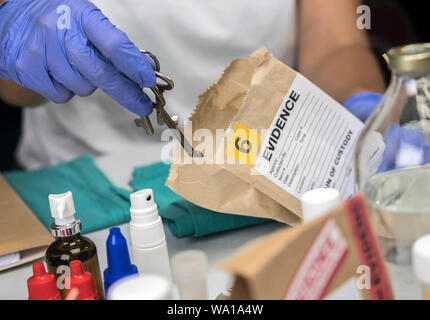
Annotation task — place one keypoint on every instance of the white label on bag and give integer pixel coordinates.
(310, 143)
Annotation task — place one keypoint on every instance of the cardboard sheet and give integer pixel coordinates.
(335, 256)
(20, 230)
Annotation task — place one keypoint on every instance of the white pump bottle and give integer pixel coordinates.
(148, 241)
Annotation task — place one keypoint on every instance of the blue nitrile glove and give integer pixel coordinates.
(403, 147)
(60, 48)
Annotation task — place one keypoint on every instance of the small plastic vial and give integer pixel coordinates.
(82, 282)
(421, 263)
(317, 202)
(41, 285)
(189, 270)
(141, 287)
(119, 265)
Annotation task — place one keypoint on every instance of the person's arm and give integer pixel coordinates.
(13, 93)
(333, 52)
(62, 48)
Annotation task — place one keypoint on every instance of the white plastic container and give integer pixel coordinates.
(317, 202)
(189, 269)
(141, 287)
(148, 241)
(421, 263)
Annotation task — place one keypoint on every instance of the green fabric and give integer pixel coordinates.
(154, 177)
(186, 219)
(182, 217)
(98, 203)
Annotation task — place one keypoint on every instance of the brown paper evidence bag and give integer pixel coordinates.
(249, 94)
(230, 100)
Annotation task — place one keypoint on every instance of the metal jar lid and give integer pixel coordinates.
(409, 58)
(67, 230)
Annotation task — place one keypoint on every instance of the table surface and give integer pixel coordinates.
(118, 168)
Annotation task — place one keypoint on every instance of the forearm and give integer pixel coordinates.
(347, 71)
(333, 52)
(14, 94)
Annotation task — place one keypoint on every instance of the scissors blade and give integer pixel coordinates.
(162, 115)
(179, 135)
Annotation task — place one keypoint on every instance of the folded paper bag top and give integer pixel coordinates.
(281, 139)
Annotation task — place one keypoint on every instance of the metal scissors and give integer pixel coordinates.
(164, 83)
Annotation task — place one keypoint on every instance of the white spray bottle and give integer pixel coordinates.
(148, 241)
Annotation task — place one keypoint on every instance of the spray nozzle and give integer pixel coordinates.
(143, 199)
(62, 208)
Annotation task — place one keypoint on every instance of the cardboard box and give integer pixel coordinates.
(335, 256)
(20, 230)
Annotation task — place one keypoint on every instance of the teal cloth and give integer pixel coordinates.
(182, 217)
(98, 203)
(154, 177)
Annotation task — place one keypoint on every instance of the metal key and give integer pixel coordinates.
(162, 115)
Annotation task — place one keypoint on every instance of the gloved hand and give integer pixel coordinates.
(59, 48)
(363, 104)
(404, 147)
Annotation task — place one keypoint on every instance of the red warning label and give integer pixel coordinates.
(368, 249)
(319, 265)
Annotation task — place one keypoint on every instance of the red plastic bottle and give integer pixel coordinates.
(42, 285)
(82, 281)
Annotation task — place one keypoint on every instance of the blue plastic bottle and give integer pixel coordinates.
(119, 265)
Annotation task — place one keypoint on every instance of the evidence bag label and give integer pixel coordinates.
(310, 142)
(243, 145)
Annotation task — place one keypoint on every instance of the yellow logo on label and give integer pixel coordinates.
(243, 145)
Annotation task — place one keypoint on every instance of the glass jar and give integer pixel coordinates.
(393, 152)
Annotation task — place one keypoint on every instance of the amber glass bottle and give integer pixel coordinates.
(75, 247)
(69, 245)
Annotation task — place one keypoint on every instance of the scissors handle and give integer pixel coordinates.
(153, 57)
(164, 83)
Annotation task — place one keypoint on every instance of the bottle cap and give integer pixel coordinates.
(188, 265)
(42, 285)
(143, 287)
(119, 265)
(319, 201)
(82, 281)
(63, 211)
(421, 258)
(410, 58)
(62, 208)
